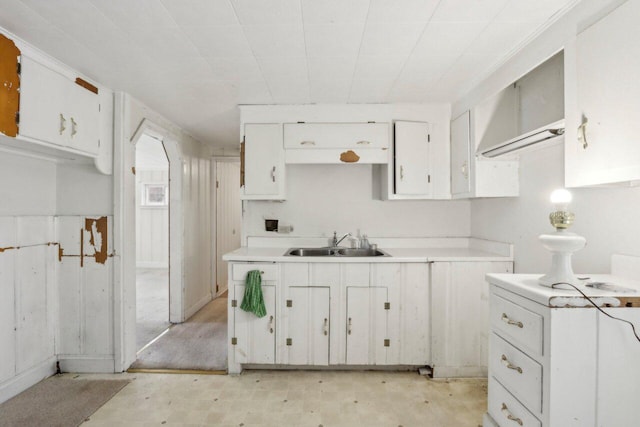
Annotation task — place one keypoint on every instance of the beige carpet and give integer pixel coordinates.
(58, 401)
(198, 343)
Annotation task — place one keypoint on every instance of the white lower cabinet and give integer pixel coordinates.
(554, 360)
(460, 316)
(329, 314)
(306, 319)
(366, 325)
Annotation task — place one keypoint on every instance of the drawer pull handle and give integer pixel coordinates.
(510, 365)
(308, 143)
(349, 327)
(509, 415)
(271, 324)
(63, 123)
(273, 174)
(508, 321)
(363, 142)
(325, 328)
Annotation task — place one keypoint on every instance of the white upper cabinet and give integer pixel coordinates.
(460, 155)
(412, 158)
(328, 143)
(264, 173)
(603, 101)
(56, 110)
(472, 176)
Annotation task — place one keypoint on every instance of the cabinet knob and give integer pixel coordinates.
(63, 123)
(505, 361)
(506, 319)
(509, 415)
(464, 169)
(271, 324)
(74, 127)
(582, 132)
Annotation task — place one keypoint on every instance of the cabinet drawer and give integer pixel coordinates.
(336, 135)
(520, 374)
(522, 325)
(506, 410)
(267, 271)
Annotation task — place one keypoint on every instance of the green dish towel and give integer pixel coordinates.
(253, 300)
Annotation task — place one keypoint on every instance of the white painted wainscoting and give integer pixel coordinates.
(28, 308)
(53, 306)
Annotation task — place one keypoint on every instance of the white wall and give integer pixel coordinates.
(324, 198)
(152, 223)
(27, 185)
(605, 216)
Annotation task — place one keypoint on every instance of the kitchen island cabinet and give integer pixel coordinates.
(555, 360)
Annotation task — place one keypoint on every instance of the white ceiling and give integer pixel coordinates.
(194, 61)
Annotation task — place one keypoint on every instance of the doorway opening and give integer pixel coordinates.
(152, 240)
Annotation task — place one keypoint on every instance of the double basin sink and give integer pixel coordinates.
(335, 252)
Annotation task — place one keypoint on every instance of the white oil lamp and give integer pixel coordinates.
(562, 244)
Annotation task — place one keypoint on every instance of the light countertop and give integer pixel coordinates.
(527, 286)
(276, 254)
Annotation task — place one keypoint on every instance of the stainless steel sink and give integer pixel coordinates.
(335, 252)
(360, 252)
(311, 252)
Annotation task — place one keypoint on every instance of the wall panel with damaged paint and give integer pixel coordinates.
(85, 277)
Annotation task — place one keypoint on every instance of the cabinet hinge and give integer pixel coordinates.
(234, 341)
(98, 143)
(387, 343)
(300, 122)
(428, 137)
(429, 179)
(217, 184)
(289, 341)
(19, 68)
(99, 107)
(387, 305)
(289, 303)
(234, 303)
(17, 117)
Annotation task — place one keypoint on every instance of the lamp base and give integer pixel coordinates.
(562, 245)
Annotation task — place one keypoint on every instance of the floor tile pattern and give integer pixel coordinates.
(295, 398)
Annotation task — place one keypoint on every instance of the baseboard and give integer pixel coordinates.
(23, 381)
(459, 371)
(152, 264)
(86, 364)
(197, 306)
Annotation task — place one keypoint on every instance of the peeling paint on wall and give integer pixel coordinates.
(9, 248)
(349, 157)
(97, 229)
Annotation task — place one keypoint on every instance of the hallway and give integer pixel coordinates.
(200, 343)
(152, 304)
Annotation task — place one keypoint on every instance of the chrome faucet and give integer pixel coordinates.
(336, 241)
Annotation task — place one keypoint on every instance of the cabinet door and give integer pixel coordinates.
(307, 337)
(255, 336)
(42, 103)
(602, 144)
(366, 325)
(83, 109)
(460, 149)
(264, 162)
(412, 168)
(460, 316)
